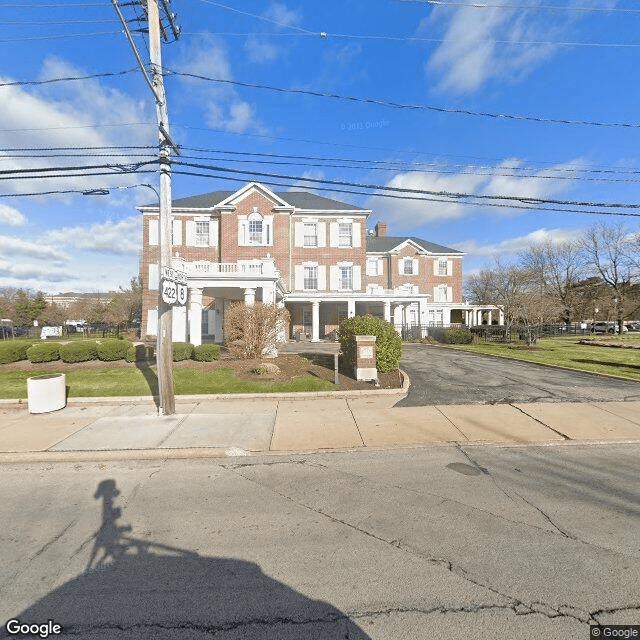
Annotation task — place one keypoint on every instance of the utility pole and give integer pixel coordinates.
(164, 348)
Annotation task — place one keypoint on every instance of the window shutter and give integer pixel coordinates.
(266, 232)
(322, 277)
(357, 277)
(449, 267)
(177, 233)
(355, 234)
(299, 277)
(213, 233)
(243, 232)
(435, 267)
(322, 234)
(333, 233)
(299, 234)
(153, 276)
(400, 266)
(415, 266)
(436, 294)
(153, 232)
(449, 294)
(190, 233)
(380, 267)
(333, 278)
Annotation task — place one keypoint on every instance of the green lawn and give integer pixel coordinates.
(566, 352)
(132, 382)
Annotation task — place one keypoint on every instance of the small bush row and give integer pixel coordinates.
(457, 336)
(107, 351)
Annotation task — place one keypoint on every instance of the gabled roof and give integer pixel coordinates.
(383, 244)
(298, 199)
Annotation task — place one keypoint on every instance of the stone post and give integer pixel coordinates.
(366, 358)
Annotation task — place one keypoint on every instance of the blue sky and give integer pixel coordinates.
(577, 62)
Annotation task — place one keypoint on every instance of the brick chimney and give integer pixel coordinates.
(381, 229)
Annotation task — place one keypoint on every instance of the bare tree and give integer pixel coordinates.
(558, 267)
(609, 252)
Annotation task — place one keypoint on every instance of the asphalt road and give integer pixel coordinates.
(474, 542)
(446, 376)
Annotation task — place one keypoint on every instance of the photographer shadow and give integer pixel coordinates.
(134, 588)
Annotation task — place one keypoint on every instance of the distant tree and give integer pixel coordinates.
(558, 267)
(610, 253)
(27, 308)
(54, 315)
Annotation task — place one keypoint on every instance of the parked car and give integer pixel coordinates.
(606, 327)
(632, 326)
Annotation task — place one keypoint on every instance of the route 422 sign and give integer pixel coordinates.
(174, 286)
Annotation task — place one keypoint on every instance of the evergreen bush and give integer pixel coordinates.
(206, 352)
(110, 350)
(78, 351)
(44, 352)
(13, 351)
(182, 351)
(457, 336)
(388, 342)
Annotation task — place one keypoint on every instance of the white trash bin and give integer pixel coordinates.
(47, 392)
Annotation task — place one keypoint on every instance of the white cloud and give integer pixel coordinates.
(72, 114)
(122, 237)
(13, 246)
(260, 51)
(221, 103)
(279, 13)
(11, 216)
(507, 179)
(43, 273)
(487, 43)
(512, 246)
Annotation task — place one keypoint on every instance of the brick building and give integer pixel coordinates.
(311, 254)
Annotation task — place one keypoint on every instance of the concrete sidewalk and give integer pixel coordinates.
(124, 428)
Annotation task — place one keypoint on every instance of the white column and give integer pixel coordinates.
(387, 311)
(398, 317)
(268, 294)
(351, 308)
(195, 316)
(315, 321)
(489, 319)
(501, 317)
(249, 296)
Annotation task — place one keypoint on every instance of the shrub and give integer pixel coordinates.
(253, 329)
(139, 352)
(457, 336)
(44, 352)
(110, 350)
(182, 351)
(79, 351)
(13, 351)
(388, 342)
(206, 352)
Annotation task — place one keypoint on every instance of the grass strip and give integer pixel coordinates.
(566, 352)
(133, 382)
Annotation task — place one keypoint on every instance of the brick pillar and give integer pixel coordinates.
(366, 358)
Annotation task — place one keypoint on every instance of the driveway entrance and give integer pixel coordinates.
(446, 376)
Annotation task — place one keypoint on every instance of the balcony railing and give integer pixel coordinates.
(243, 269)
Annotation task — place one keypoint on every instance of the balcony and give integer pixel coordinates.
(226, 269)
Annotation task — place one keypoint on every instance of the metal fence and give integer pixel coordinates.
(498, 333)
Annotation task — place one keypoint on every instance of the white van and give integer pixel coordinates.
(50, 332)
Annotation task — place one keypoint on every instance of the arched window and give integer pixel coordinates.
(255, 227)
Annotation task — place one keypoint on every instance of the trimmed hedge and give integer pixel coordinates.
(456, 336)
(110, 350)
(206, 352)
(44, 352)
(388, 342)
(182, 351)
(79, 351)
(13, 351)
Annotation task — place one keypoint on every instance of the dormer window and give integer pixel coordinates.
(255, 229)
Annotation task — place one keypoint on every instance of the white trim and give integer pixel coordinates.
(154, 230)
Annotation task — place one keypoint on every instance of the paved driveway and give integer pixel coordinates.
(445, 376)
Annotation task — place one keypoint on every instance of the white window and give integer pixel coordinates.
(345, 234)
(408, 267)
(310, 234)
(202, 234)
(442, 267)
(255, 231)
(311, 278)
(346, 278)
(372, 267)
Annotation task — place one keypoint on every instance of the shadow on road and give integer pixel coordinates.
(135, 588)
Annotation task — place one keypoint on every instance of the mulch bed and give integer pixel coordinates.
(288, 367)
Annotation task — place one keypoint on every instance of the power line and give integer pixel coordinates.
(540, 7)
(61, 36)
(105, 74)
(412, 107)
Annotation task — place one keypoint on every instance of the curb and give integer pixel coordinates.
(291, 395)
